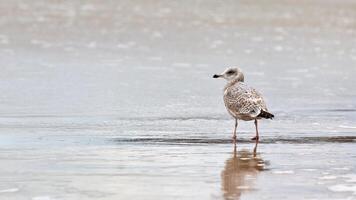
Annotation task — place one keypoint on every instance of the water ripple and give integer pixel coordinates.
(267, 140)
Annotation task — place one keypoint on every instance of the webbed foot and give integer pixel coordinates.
(255, 138)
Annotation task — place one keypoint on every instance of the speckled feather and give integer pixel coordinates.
(242, 101)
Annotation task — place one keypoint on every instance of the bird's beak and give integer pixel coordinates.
(216, 76)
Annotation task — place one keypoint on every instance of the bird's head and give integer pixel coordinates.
(231, 74)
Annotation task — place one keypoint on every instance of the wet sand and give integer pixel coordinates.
(115, 100)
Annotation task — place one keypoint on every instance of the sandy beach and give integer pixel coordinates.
(116, 100)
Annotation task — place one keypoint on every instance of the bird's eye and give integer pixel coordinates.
(230, 72)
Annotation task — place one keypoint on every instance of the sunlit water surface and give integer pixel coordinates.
(115, 99)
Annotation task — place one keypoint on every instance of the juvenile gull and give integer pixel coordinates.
(242, 101)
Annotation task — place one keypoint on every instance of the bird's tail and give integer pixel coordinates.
(265, 114)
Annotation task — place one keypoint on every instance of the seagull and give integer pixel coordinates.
(241, 101)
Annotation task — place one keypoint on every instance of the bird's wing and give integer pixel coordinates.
(244, 100)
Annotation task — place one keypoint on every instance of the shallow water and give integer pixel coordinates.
(116, 100)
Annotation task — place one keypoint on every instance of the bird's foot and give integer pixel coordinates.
(255, 138)
(234, 139)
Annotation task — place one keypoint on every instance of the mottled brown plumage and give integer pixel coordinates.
(241, 101)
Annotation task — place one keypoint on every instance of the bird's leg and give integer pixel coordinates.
(234, 136)
(256, 137)
(255, 149)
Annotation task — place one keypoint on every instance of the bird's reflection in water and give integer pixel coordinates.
(240, 172)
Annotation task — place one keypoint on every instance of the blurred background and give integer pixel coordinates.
(104, 92)
(154, 58)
